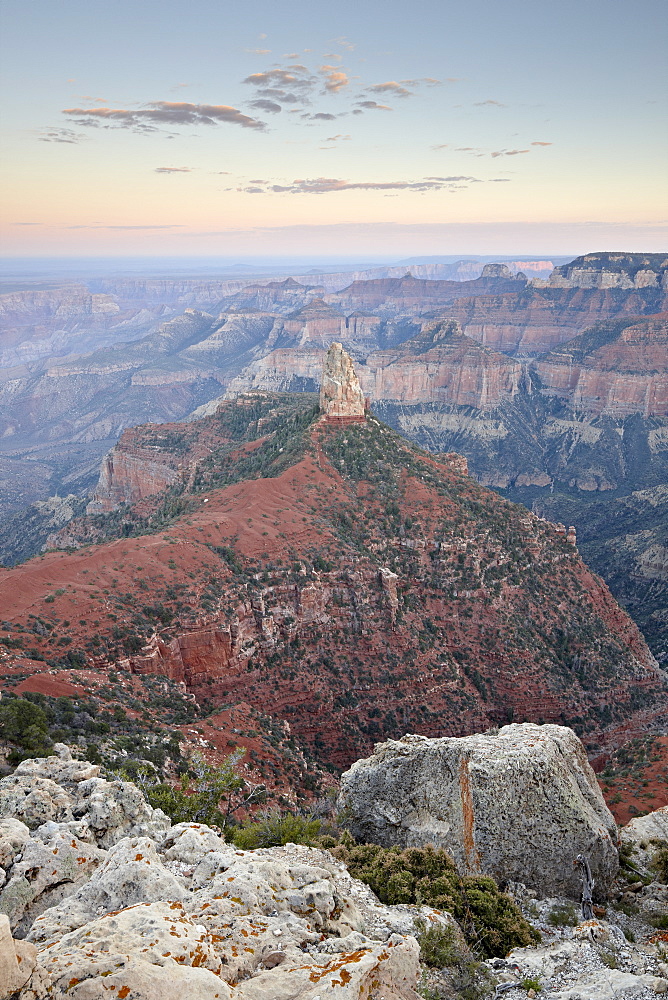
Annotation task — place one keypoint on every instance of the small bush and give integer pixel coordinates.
(438, 944)
(563, 915)
(660, 860)
(274, 829)
(488, 917)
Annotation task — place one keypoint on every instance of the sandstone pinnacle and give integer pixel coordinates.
(340, 394)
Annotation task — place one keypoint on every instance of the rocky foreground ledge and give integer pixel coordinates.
(102, 897)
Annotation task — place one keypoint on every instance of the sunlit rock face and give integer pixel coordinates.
(340, 394)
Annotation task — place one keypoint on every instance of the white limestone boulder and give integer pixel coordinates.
(519, 805)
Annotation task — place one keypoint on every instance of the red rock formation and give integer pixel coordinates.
(353, 604)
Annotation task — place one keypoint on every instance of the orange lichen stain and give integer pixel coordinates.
(139, 857)
(339, 964)
(123, 992)
(177, 906)
(344, 980)
(244, 932)
(73, 982)
(468, 816)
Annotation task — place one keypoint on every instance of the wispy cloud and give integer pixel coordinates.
(542, 144)
(372, 106)
(337, 138)
(173, 170)
(329, 185)
(163, 113)
(101, 226)
(61, 135)
(344, 43)
(321, 116)
(489, 104)
(389, 87)
(508, 152)
(259, 52)
(289, 84)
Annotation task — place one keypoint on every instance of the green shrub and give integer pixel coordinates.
(660, 860)
(24, 724)
(489, 918)
(438, 945)
(562, 915)
(274, 829)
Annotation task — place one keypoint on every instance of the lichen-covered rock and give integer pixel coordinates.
(34, 800)
(519, 805)
(386, 970)
(131, 873)
(643, 833)
(190, 842)
(117, 809)
(13, 835)
(46, 874)
(140, 980)
(157, 933)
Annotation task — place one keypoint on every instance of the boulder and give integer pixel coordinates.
(34, 800)
(190, 842)
(642, 833)
(17, 961)
(519, 805)
(13, 835)
(389, 971)
(131, 873)
(46, 874)
(117, 809)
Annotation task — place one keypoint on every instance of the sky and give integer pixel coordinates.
(369, 127)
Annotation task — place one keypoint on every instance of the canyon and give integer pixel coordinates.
(314, 564)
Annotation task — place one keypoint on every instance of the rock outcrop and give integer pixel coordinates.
(341, 398)
(180, 913)
(520, 805)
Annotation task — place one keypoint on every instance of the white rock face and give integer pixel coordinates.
(519, 805)
(175, 913)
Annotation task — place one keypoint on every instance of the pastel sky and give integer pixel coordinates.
(368, 127)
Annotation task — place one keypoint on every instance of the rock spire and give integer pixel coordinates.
(341, 397)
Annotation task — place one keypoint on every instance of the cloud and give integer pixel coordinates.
(372, 106)
(337, 138)
(27, 223)
(442, 145)
(321, 116)
(389, 87)
(431, 81)
(499, 180)
(489, 104)
(101, 226)
(61, 135)
(259, 52)
(509, 152)
(344, 43)
(269, 106)
(173, 170)
(328, 185)
(293, 79)
(170, 113)
(335, 79)
(541, 144)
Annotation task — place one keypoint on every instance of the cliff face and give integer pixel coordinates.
(627, 373)
(341, 398)
(342, 579)
(539, 319)
(613, 270)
